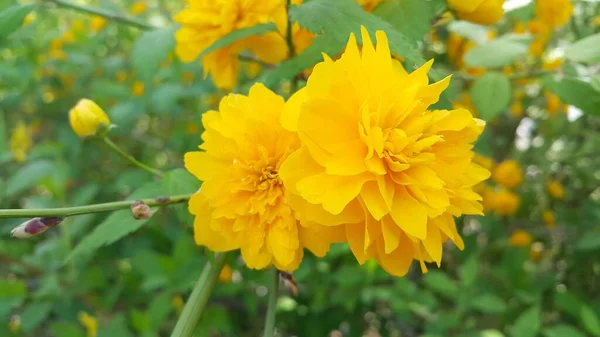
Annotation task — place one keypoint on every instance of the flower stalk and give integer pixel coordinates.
(132, 159)
(194, 307)
(272, 304)
(96, 208)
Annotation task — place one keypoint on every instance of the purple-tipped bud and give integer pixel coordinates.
(34, 226)
(139, 210)
(289, 281)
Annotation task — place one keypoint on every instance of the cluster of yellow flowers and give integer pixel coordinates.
(356, 156)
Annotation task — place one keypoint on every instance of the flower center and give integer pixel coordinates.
(268, 178)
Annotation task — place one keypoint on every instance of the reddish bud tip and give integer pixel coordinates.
(139, 210)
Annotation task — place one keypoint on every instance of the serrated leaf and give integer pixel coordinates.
(527, 324)
(28, 176)
(410, 17)
(489, 304)
(12, 18)
(339, 18)
(497, 53)
(586, 50)
(441, 283)
(575, 92)
(591, 241)
(116, 226)
(491, 94)
(562, 330)
(150, 49)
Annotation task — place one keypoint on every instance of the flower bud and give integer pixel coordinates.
(139, 210)
(87, 118)
(289, 282)
(34, 226)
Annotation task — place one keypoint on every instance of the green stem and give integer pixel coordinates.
(289, 38)
(129, 157)
(100, 12)
(192, 311)
(272, 306)
(97, 208)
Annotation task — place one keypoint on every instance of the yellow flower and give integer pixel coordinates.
(98, 23)
(483, 161)
(371, 151)
(242, 203)
(252, 69)
(139, 7)
(553, 104)
(508, 173)
(90, 323)
(68, 37)
(56, 44)
(14, 324)
(369, 5)
(177, 303)
(554, 13)
(87, 117)
(29, 18)
(520, 238)
(485, 12)
(505, 202)
(552, 64)
(121, 76)
(549, 219)
(20, 141)
(457, 48)
(465, 102)
(138, 88)
(542, 35)
(556, 190)
(205, 21)
(596, 21)
(516, 109)
(519, 28)
(226, 274)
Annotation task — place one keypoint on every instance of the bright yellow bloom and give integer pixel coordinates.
(139, 7)
(138, 88)
(556, 190)
(504, 202)
(98, 23)
(90, 323)
(205, 21)
(549, 219)
(516, 109)
(553, 104)
(520, 238)
(375, 161)
(20, 141)
(554, 13)
(508, 173)
(369, 5)
(485, 12)
(242, 203)
(226, 274)
(87, 118)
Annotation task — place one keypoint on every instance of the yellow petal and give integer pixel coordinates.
(409, 214)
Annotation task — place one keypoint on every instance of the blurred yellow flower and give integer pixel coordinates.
(549, 219)
(554, 13)
(465, 102)
(516, 109)
(552, 64)
(556, 190)
(199, 30)
(89, 322)
(252, 69)
(596, 21)
(508, 173)
(56, 44)
(242, 203)
(68, 37)
(520, 28)
(542, 35)
(121, 76)
(98, 23)
(520, 238)
(87, 118)
(553, 104)
(20, 141)
(457, 48)
(138, 88)
(29, 18)
(485, 12)
(504, 202)
(177, 303)
(139, 7)
(483, 161)
(399, 158)
(369, 5)
(226, 274)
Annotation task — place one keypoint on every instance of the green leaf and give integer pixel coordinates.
(12, 293)
(468, 271)
(410, 17)
(590, 241)
(67, 329)
(116, 327)
(441, 283)
(116, 226)
(528, 324)
(491, 94)
(12, 18)
(339, 18)
(159, 308)
(575, 92)
(150, 49)
(34, 315)
(562, 330)
(589, 320)
(180, 181)
(469, 30)
(586, 50)
(3, 134)
(497, 53)
(28, 176)
(489, 304)
(239, 34)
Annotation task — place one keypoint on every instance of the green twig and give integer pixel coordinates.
(97, 208)
(272, 305)
(129, 157)
(192, 311)
(101, 12)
